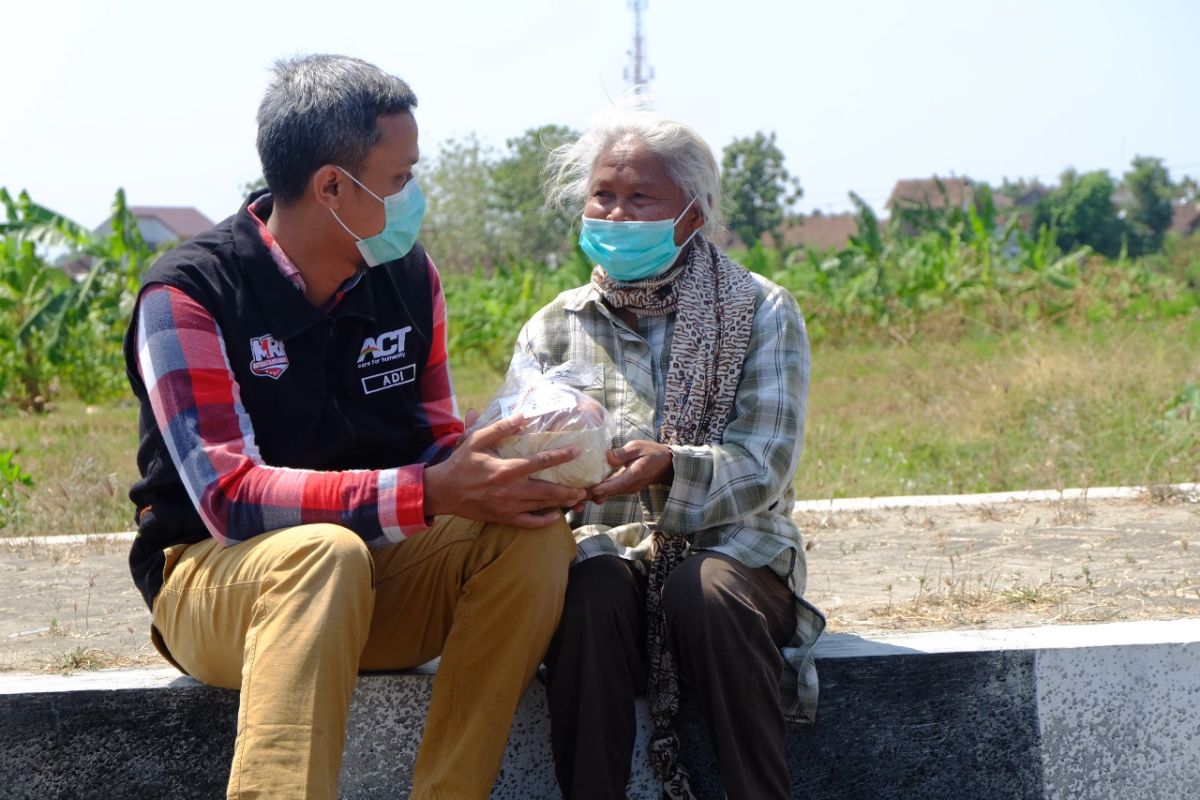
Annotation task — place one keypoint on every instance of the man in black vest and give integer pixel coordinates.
(298, 440)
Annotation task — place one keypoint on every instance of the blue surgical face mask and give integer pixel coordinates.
(632, 251)
(403, 212)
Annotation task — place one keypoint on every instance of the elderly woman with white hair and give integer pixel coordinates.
(690, 570)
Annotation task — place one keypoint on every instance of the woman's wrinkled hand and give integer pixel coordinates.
(638, 464)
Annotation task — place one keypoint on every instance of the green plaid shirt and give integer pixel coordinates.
(734, 497)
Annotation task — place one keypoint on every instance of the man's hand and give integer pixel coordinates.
(639, 464)
(476, 483)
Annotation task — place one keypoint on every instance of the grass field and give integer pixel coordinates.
(1045, 409)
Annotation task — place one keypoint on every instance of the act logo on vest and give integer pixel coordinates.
(381, 349)
(267, 357)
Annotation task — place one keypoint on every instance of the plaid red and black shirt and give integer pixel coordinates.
(195, 399)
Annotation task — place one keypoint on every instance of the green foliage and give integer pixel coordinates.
(1150, 216)
(963, 271)
(1184, 406)
(1082, 213)
(486, 208)
(12, 477)
(975, 220)
(758, 189)
(460, 229)
(1042, 407)
(53, 328)
(486, 310)
(529, 229)
(1187, 190)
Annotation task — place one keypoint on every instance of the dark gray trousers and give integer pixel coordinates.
(725, 624)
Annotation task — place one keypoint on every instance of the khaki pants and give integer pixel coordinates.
(289, 617)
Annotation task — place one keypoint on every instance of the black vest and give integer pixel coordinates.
(323, 391)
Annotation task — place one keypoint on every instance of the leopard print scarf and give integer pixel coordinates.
(713, 301)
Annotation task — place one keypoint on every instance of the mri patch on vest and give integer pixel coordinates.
(267, 357)
(390, 379)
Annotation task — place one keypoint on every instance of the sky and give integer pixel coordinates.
(160, 97)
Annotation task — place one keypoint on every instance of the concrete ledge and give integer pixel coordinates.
(1101, 711)
(1188, 490)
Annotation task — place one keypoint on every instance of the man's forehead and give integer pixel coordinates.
(398, 140)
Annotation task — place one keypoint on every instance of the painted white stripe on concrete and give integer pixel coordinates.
(25, 683)
(832, 645)
(1191, 490)
(1045, 637)
(15, 542)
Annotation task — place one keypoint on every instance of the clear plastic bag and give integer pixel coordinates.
(557, 415)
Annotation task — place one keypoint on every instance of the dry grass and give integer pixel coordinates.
(82, 460)
(1009, 565)
(952, 595)
(32, 547)
(84, 659)
(1064, 407)
(1059, 407)
(1071, 511)
(1167, 495)
(835, 520)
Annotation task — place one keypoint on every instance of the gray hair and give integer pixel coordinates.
(322, 109)
(687, 157)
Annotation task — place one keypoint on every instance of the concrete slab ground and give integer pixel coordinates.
(929, 563)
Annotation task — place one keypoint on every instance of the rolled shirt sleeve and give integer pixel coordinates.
(722, 484)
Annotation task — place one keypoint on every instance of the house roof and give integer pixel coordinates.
(183, 220)
(925, 191)
(818, 231)
(958, 193)
(726, 239)
(1032, 197)
(1186, 218)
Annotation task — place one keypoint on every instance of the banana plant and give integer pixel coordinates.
(51, 326)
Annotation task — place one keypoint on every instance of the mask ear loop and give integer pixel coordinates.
(677, 219)
(362, 185)
(691, 203)
(357, 238)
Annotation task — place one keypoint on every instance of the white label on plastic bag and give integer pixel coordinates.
(542, 400)
(507, 404)
(577, 374)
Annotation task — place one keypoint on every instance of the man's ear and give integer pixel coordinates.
(329, 186)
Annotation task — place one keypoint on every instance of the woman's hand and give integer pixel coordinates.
(639, 464)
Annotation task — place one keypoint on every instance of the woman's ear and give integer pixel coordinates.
(692, 221)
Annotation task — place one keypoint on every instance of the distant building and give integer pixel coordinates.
(1186, 219)
(938, 192)
(160, 225)
(960, 193)
(816, 231)
(934, 192)
(727, 240)
(164, 224)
